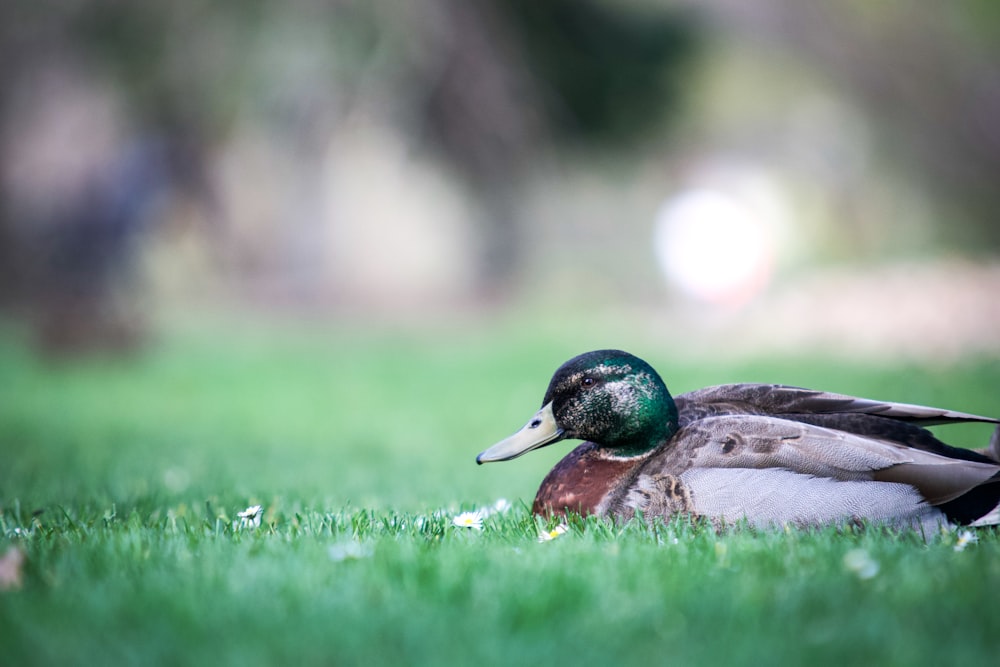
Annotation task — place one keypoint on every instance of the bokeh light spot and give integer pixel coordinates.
(714, 247)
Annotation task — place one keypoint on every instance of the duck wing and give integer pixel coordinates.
(769, 471)
(776, 399)
(898, 422)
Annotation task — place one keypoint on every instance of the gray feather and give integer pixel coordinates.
(778, 497)
(772, 470)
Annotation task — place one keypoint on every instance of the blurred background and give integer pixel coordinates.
(315, 255)
(334, 249)
(822, 174)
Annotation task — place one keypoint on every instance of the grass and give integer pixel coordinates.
(121, 481)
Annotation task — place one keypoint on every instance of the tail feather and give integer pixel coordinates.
(991, 518)
(979, 506)
(992, 450)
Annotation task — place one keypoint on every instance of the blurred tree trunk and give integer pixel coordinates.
(479, 115)
(929, 75)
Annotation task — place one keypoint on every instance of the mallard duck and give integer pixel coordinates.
(770, 455)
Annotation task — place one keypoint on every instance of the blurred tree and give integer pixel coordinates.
(929, 76)
(517, 80)
(492, 86)
(102, 80)
(609, 74)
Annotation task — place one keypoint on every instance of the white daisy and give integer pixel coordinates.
(349, 551)
(549, 535)
(860, 563)
(250, 517)
(965, 538)
(501, 506)
(469, 520)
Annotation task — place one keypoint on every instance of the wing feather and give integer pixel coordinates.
(776, 470)
(778, 399)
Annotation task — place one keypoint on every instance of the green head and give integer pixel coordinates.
(608, 397)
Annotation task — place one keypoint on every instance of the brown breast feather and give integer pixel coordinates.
(580, 482)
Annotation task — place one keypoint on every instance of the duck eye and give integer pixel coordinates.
(587, 382)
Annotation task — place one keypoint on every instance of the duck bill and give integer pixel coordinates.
(540, 430)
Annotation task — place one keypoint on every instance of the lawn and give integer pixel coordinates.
(121, 481)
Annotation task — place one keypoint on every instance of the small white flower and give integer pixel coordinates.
(549, 535)
(965, 538)
(501, 505)
(469, 520)
(349, 551)
(860, 563)
(250, 517)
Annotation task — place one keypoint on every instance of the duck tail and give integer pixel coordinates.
(992, 450)
(991, 518)
(988, 493)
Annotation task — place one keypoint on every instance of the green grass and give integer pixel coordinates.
(121, 481)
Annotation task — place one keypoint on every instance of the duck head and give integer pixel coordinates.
(608, 397)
